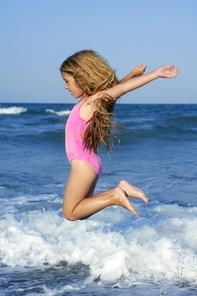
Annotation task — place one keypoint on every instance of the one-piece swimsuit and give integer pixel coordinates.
(74, 131)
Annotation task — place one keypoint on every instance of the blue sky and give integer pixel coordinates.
(37, 35)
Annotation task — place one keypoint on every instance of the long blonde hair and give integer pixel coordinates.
(92, 74)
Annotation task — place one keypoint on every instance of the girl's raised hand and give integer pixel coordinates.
(167, 71)
(139, 70)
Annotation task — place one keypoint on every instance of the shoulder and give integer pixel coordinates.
(90, 102)
(87, 108)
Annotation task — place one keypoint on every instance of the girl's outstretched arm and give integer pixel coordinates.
(136, 82)
(137, 71)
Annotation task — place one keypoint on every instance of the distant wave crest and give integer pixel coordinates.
(59, 113)
(12, 110)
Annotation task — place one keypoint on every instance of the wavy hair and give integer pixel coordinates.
(92, 74)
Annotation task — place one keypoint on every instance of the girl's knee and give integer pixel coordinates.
(68, 215)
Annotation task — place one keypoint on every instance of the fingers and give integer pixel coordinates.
(169, 71)
(174, 71)
(139, 70)
(142, 67)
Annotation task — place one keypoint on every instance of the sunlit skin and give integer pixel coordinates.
(77, 203)
(72, 87)
(137, 71)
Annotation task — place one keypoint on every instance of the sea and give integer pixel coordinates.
(111, 252)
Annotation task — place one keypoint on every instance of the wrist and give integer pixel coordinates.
(155, 74)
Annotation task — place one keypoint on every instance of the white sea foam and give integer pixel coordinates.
(160, 246)
(12, 110)
(59, 113)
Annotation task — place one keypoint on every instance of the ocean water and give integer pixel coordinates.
(112, 252)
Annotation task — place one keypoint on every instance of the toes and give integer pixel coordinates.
(145, 199)
(135, 213)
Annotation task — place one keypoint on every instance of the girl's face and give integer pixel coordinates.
(71, 86)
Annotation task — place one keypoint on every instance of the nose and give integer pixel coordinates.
(66, 86)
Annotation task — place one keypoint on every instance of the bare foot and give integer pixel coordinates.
(132, 191)
(139, 70)
(122, 201)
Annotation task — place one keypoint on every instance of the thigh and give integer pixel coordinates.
(80, 184)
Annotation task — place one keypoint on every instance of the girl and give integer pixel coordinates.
(88, 77)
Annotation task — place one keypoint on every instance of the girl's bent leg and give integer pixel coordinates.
(80, 184)
(79, 201)
(82, 180)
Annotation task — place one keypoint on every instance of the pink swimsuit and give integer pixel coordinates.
(75, 128)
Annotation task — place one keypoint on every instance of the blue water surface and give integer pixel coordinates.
(111, 252)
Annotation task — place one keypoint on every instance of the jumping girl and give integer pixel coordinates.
(89, 78)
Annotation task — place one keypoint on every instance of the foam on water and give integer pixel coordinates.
(112, 251)
(117, 248)
(59, 113)
(12, 110)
